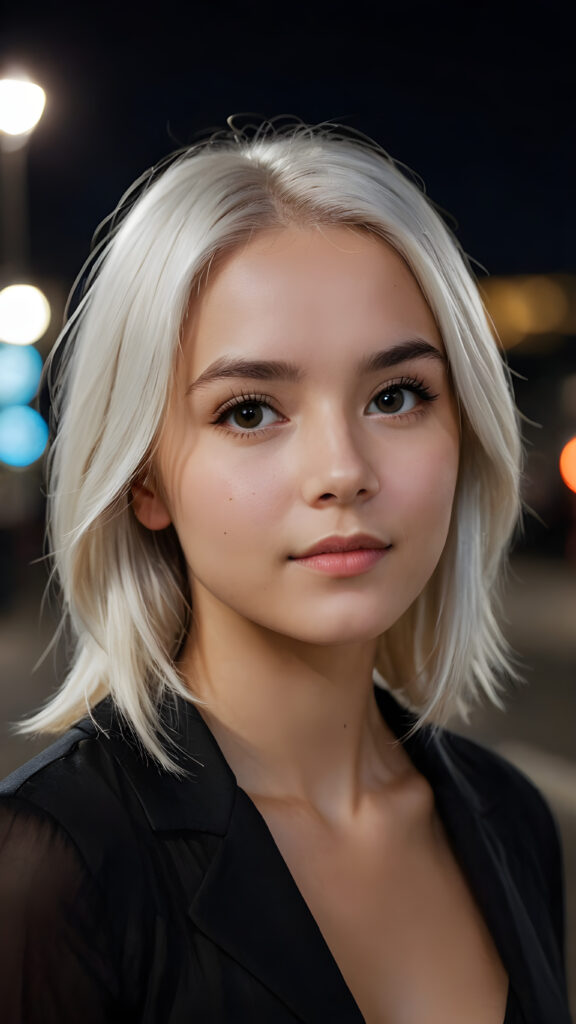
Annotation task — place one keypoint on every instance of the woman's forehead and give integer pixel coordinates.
(297, 289)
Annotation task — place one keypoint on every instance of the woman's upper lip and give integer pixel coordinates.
(355, 542)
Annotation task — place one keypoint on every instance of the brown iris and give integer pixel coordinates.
(390, 400)
(248, 415)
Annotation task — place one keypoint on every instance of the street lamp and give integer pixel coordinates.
(24, 314)
(21, 106)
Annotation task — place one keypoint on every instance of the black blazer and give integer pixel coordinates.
(129, 895)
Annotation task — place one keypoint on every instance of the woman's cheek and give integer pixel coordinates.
(219, 500)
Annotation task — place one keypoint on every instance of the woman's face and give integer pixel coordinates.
(312, 407)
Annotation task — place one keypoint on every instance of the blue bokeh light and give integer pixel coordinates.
(23, 435)
(20, 369)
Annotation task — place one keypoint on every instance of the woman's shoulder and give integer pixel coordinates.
(113, 801)
(71, 825)
(74, 788)
(71, 882)
(42, 768)
(71, 766)
(513, 807)
(499, 782)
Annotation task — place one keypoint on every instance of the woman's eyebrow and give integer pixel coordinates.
(226, 367)
(406, 350)
(258, 369)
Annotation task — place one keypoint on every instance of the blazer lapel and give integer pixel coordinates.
(492, 867)
(250, 905)
(493, 871)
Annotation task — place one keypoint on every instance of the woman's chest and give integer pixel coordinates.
(401, 923)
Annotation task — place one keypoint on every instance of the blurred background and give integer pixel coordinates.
(478, 100)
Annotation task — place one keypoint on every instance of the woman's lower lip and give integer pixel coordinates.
(343, 563)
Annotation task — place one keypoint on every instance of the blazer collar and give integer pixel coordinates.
(203, 797)
(249, 903)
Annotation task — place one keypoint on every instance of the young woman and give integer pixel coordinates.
(284, 477)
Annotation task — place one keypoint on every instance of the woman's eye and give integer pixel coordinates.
(249, 415)
(394, 400)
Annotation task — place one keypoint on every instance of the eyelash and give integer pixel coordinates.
(236, 401)
(413, 384)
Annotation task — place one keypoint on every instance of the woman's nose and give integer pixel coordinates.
(337, 466)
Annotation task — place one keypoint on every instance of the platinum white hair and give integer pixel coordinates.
(124, 588)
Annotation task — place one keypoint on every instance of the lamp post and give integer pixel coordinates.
(24, 310)
(21, 106)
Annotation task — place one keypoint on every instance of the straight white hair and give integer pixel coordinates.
(125, 590)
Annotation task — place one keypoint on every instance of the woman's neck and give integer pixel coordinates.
(295, 722)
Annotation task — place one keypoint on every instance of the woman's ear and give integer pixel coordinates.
(149, 507)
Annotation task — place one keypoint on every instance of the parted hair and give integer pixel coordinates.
(125, 592)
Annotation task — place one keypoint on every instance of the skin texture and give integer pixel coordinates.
(282, 652)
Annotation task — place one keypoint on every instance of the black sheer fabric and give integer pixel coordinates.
(54, 950)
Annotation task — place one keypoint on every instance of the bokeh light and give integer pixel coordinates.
(21, 105)
(23, 435)
(568, 464)
(20, 369)
(530, 305)
(545, 305)
(24, 314)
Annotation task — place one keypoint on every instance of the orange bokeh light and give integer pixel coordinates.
(568, 464)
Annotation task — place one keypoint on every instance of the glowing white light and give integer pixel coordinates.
(24, 314)
(21, 105)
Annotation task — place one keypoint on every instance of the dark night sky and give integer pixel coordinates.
(479, 101)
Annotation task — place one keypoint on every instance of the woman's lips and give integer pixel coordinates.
(343, 563)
